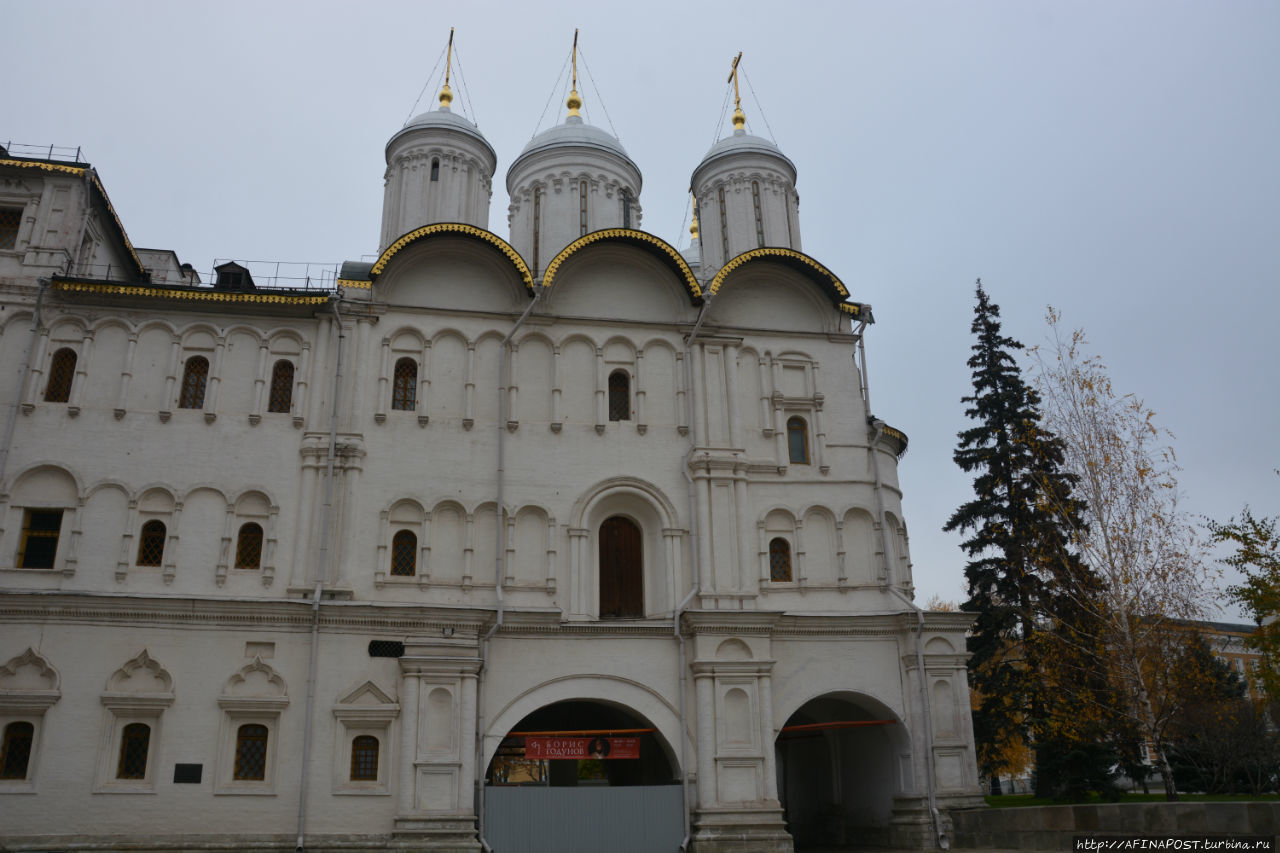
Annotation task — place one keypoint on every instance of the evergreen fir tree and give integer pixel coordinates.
(1020, 523)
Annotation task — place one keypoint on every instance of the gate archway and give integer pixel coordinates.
(840, 761)
(611, 781)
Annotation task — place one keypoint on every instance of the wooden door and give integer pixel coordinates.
(621, 569)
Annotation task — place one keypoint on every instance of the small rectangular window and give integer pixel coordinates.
(40, 529)
(10, 219)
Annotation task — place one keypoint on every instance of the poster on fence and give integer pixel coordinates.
(582, 747)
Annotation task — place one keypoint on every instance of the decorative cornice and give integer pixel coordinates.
(47, 167)
(825, 277)
(192, 295)
(673, 256)
(350, 282)
(456, 228)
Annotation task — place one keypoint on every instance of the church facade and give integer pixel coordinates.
(332, 568)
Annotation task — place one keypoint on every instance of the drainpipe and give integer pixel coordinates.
(11, 421)
(499, 563)
(697, 575)
(321, 563)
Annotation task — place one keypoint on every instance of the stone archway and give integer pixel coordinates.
(839, 757)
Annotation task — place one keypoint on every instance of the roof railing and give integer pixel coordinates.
(283, 275)
(55, 153)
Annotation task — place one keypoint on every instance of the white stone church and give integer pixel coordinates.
(323, 568)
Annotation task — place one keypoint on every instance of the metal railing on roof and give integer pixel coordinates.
(283, 275)
(57, 153)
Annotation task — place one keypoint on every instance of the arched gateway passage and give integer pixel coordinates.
(583, 775)
(838, 770)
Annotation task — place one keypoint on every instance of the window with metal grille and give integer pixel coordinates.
(619, 396)
(249, 546)
(151, 543)
(251, 752)
(134, 742)
(194, 377)
(364, 759)
(10, 219)
(281, 387)
(755, 198)
(404, 386)
(780, 561)
(582, 208)
(404, 553)
(798, 441)
(15, 753)
(40, 529)
(62, 370)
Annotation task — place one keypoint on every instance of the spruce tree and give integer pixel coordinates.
(1019, 525)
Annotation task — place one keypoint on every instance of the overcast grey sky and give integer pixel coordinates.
(1118, 160)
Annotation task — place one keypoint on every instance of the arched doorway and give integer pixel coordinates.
(583, 775)
(621, 569)
(838, 771)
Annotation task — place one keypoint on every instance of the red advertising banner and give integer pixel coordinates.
(581, 747)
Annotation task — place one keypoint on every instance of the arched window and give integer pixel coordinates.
(249, 546)
(755, 198)
(194, 377)
(281, 387)
(251, 752)
(15, 753)
(435, 168)
(582, 208)
(364, 759)
(619, 396)
(134, 743)
(404, 387)
(780, 561)
(798, 441)
(151, 543)
(61, 371)
(404, 554)
(621, 569)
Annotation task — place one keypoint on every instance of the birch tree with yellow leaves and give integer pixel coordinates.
(1146, 553)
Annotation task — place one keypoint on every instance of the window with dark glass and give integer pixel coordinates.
(151, 543)
(251, 752)
(364, 759)
(281, 387)
(404, 553)
(582, 208)
(62, 370)
(755, 198)
(797, 441)
(780, 561)
(249, 546)
(435, 169)
(404, 385)
(40, 529)
(194, 377)
(10, 219)
(15, 752)
(134, 742)
(621, 569)
(619, 396)
(626, 208)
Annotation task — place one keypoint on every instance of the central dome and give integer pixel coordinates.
(567, 182)
(574, 133)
